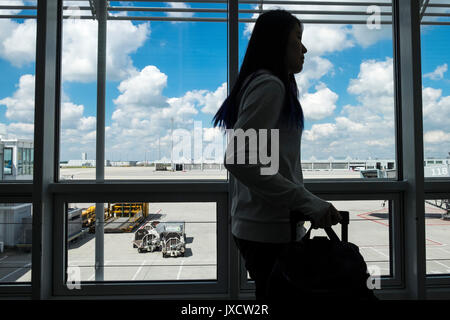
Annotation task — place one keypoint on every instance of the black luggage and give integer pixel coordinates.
(320, 268)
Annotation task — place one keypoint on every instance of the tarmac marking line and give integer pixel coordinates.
(365, 216)
(18, 269)
(179, 270)
(139, 270)
(379, 252)
(442, 264)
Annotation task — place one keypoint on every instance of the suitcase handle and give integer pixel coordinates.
(296, 216)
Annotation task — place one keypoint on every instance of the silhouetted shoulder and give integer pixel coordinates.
(265, 83)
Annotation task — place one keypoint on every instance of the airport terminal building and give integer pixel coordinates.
(117, 80)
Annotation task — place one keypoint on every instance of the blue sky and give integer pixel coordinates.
(158, 71)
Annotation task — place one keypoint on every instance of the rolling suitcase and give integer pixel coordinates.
(321, 267)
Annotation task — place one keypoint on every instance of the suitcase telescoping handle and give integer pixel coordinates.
(298, 216)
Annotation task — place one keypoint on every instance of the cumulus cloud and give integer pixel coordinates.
(313, 70)
(436, 108)
(374, 86)
(20, 107)
(79, 48)
(18, 41)
(364, 130)
(320, 104)
(76, 128)
(143, 115)
(320, 131)
(438, 73)
(79, 58)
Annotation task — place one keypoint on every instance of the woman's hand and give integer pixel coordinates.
(329, 219)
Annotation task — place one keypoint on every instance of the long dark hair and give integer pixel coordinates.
(266, 50)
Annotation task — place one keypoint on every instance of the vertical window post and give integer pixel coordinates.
(407, 48)
(49, 24)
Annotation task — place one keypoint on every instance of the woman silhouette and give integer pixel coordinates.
(265, 96)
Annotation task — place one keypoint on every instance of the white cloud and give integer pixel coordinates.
(374, 86)
(71, 112)
(436, 108)
(366, 37)
(320, 104)
(20, 107)
(76, 128)
(314, 69)
(436, 137)
(142, 88)
(18, 42)
(79, 48)
(365, 130)
(374, 78)
(143, 114)
(180, 5)
(320, 131)
(211, 101)
(438, 73)
(79, 58)
(323, 39)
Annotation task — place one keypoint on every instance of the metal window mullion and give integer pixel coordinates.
(165, 9)
(101, 13)
(49, 24)
(407, 43)
(318, 3)
(232, 75)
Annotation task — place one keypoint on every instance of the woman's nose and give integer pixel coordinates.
(304, 50)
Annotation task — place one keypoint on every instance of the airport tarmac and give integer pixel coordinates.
(143, 173)
(369, 229)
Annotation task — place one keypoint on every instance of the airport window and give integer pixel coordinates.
(15, 242)
(164, 81)
(8, 161)
(78, 93)
(436, 89)
(186, 57)
(437, 223)
(346, 88)
(143, 241)
(17, 65)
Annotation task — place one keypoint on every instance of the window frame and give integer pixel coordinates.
(11, 150)
(48, 195)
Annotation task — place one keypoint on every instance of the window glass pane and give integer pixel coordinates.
(7, 161)
(15, 242)
(436, 93)
(145, 241)
(346, 88)
(437, 228)
(78, 92)
(17, 67)
(164, 82)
